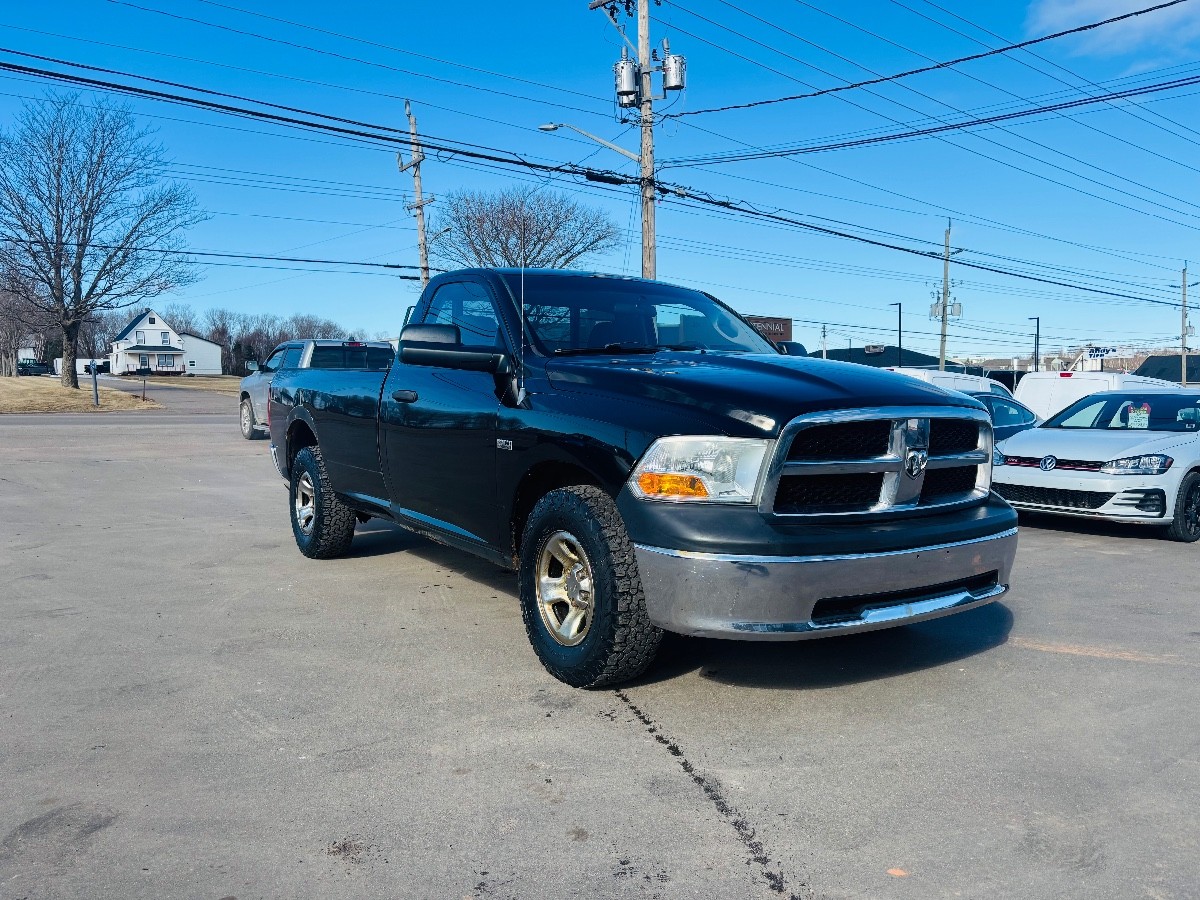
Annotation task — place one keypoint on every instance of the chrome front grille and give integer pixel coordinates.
(876, 461)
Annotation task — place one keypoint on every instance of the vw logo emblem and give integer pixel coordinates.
(1048, 463)
(915, 461)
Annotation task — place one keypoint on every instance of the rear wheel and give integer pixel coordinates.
(1186, 524)
(322, 524)
(581, 595)
(246, 419)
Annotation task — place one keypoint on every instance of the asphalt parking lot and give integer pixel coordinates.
(189, 708)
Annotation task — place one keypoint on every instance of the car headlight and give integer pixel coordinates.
(997, 457)
(701, 469)
(1155, 464)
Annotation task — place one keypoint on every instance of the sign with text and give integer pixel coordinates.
(771, 327)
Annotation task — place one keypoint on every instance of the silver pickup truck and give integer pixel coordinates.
(375, 356)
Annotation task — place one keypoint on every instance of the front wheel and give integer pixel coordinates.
(1186, 524)
(246, 419)
(322, 524)
(581, 595)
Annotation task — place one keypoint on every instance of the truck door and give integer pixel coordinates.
(438, 426)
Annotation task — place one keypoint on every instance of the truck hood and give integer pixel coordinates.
(763, 391)
(1091, 445)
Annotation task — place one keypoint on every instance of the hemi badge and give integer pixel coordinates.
(502, 444)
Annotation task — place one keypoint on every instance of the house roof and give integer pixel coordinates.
(192, 334)
(145, 348)
(133, 322)
(1167, 367)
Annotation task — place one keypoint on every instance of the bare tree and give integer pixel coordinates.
(182, 318)
(519, 226)
(86, 221)
(15, 330)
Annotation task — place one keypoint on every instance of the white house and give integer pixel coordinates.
(148, 343)
(200, 355)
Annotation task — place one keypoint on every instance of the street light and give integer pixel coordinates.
(554, 126)
(646, 163)
(899, 333)
(1037, 342)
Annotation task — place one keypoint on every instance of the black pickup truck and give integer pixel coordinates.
(646, 461)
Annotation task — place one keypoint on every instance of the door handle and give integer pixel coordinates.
(404, 396)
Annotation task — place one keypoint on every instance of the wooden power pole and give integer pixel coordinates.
(416, 157)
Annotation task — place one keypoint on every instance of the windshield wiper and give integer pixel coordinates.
(607, 348)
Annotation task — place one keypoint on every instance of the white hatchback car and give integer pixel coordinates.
(1122, 455)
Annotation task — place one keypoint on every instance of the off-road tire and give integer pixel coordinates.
(246, 420)
(620, 641)
(1185, 525)
(331, 528)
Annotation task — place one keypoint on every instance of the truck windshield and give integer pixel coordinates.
(578, 314)
(1133, 412)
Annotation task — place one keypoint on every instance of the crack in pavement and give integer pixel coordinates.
(745, 832)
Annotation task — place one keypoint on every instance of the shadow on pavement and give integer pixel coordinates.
(379, 538)
(1100, 527)
(835, 661)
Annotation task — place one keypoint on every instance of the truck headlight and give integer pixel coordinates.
(701, 469)
(1155, 464)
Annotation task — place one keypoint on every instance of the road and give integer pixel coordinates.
(192, 709)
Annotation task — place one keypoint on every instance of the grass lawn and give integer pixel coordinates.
(221, 384)
(40, 394)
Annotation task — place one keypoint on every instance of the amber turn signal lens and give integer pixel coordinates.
(654, 484)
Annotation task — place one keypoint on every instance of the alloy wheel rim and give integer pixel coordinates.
(304, 503)
(245, 418)
(565, 589)
(1191, 510)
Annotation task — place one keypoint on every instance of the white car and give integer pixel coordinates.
(1126, 455)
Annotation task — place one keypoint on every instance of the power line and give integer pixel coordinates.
(942, 121)
(600, 176)
(932, 68)
(952, 126)
(354, 59)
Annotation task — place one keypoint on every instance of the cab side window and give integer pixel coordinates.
(1005, 413)
(272, 362)
(470, 307)
(291, 358)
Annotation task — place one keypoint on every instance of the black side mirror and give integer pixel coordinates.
(441, 346)
(791, 348)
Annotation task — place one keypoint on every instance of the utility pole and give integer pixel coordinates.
(1037, 342)
(824, 348)
(416, 157)
(649, 255)
(635, 88)
(945, 299)
(899, 333)
(1183, 335)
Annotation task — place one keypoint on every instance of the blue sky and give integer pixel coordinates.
(1104, 194)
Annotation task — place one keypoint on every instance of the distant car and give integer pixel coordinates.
(954, 381)
(1008, 416)
(1129, 456)
(308, 354)
(102, 367)
(32, 367)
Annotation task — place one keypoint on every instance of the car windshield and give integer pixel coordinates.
(1131, 412)
(591, 314)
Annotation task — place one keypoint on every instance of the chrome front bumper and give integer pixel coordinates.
(782, 598)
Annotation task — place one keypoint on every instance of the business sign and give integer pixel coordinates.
(873, 349)
(1101, 352)
(771, 327)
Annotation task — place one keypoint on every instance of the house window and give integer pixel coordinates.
(166, 361)
(152, 320)
(144, 360)
(166, 336)
(140, 337)
(191, 363)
